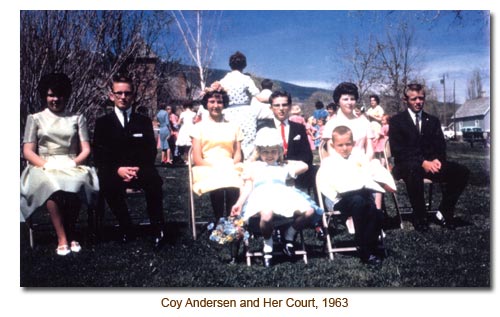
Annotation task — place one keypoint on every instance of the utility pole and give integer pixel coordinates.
(454, 112)
(443, 82)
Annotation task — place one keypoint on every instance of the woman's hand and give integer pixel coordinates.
(59, 164)
(236, 210)
(84, 153)
(29, 153)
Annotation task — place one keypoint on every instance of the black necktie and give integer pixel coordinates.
(417, 122)
(125, 118)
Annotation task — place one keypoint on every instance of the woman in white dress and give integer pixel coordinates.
(265, 192)
(56, 144)
(186, 122)
(240, 89)
(346, 96)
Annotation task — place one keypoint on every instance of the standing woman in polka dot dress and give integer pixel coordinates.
(240, 89)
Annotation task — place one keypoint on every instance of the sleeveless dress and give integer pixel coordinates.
(270, 192)
(187, 118)
(58, 139)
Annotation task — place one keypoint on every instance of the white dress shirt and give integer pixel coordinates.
(119, 114)
(277, 123)
(413, 116)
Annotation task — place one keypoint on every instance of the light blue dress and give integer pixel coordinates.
(163, 120)
(270, 192)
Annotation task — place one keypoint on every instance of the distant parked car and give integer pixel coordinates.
(473, 134)
(448, 133)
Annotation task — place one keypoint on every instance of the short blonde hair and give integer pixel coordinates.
(341, 130)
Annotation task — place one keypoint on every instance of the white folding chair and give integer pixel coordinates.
(193, 220)
(331, 216)
(281, 224)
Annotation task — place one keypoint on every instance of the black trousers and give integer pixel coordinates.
(113, 188)
(360, 205)
(453, 178)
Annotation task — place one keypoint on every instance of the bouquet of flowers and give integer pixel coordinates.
(228, 230)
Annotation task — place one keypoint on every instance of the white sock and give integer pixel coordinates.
(290, 233)
(268, 245)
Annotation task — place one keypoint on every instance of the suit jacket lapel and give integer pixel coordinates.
(291, 133)
(425, 122)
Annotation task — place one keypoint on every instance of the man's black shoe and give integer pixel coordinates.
(421, 227)
(372, 260)
(124, 238)
(443, 222)
(158, 241)
(450, 225)
(289, 249)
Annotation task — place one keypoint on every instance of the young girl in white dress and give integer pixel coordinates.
(265, 192)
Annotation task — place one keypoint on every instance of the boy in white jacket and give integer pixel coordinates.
(349, 181)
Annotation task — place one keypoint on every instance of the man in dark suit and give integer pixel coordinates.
(125, 151)
(419, 149)
(295, 143)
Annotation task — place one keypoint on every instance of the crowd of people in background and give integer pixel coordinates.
(247, 145)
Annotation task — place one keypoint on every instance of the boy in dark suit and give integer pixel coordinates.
(125, 151)
(419, 150)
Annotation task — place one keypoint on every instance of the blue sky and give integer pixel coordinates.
(302, 46)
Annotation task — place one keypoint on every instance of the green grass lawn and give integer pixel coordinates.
(438, 258)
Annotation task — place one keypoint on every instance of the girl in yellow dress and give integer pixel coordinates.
(217, 154)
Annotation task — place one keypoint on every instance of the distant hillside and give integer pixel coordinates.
(299, 93)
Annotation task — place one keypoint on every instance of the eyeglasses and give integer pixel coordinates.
(122, 93)
(277, 105)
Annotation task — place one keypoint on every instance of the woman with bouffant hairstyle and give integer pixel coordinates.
(56, 145)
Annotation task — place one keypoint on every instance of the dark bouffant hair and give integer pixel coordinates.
(59, 83)
(238, 61)
(345, 88)
(377, 99)
(225, 98)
